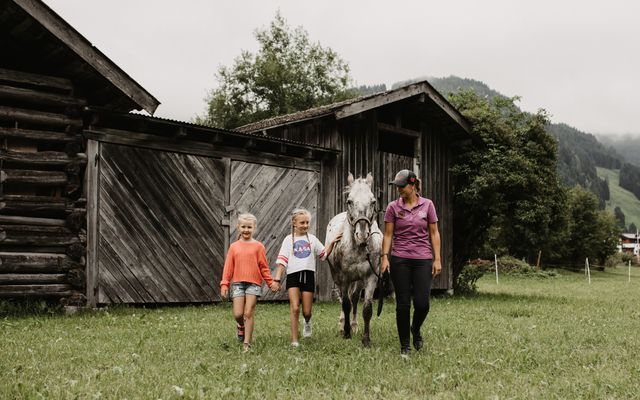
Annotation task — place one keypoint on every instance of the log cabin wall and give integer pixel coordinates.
(42, 206)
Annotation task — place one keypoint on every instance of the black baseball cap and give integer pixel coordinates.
(403, 178)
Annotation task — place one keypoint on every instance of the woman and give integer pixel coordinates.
(411, 223)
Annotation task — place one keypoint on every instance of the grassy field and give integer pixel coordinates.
(619, 197)
(528, 338)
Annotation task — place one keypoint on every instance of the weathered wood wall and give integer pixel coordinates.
(42, 207)
(159, 234)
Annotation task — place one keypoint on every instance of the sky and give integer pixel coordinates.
(578, 60)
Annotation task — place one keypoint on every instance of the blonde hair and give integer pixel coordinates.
(294, 214)
(246, 217)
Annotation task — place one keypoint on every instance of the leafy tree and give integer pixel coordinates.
(509, 199)
(632, 228)
(289, 73)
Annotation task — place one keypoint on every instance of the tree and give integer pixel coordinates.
(619, 215)
(289, 73)
(508, 198)
(632, 228)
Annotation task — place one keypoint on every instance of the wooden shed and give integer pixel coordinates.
(412, 127)
(102, 206)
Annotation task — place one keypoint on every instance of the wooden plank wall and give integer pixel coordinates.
(271, 193)
(160, 237)
(42, 204)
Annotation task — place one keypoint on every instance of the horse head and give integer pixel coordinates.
(361, 208)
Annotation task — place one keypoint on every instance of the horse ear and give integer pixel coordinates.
(369, 179)
(350, 178)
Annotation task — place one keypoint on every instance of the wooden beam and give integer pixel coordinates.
(83, 48)
(20, 279)
(53, 290)
(38, 117)
(40, 158)
(378, 101)
(20, 220)
(11, 262)
(36, 80)
(38, 97)
(130, 138)
(30, 204)
(398, 131)
(92, 187)
(32, 134)
(40, 178)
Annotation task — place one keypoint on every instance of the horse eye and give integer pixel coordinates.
(350, 202)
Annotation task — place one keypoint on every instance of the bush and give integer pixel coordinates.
(466, 282)
(512, 265)
(620, 259)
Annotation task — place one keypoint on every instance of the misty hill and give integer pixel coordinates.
(626, 145)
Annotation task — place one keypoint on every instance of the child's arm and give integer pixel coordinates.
(227, 274)
(327, 250)
(263, 265)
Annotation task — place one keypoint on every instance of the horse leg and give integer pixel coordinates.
(367, 309)
(346, 309)
(341, 319)
(356, 289)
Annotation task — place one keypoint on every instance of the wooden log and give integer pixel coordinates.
(46, 158)
(37, 135)
(52, 290)
(19, 220)
(38, 117)
(37, 236)
(26, 204)
(39, 97)
(22, 279)
(40, 178)
(77, 220)
(76, 278)
(36, 80)
(76, 251)
(36, 263)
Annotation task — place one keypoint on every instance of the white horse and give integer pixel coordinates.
(355, 260)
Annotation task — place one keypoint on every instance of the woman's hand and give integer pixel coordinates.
(384, 264)
(436, 268)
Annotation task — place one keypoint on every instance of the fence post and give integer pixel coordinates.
(495, 256)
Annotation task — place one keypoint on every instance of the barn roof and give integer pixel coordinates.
(35, 39)
(357, 105)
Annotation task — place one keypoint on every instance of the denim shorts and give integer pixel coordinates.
(240, 289)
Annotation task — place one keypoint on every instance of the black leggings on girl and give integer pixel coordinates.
(411, 279)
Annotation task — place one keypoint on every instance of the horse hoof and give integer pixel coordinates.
(366, 343)
(346, 335)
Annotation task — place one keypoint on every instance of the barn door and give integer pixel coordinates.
(389, 164)
(159, 232)
(271, 193)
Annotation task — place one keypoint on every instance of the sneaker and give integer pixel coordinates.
(404, 352)
(246, 347)
(240, 333)
(295, 344)
(306, 332)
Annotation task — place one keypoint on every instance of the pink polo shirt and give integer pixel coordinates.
(411, 228)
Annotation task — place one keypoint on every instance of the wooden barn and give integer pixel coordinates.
(100, 206)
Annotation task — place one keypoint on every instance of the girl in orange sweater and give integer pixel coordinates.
(245, 268)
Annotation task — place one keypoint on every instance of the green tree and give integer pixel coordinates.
(617, 212)
(289, 73)
(509, 200)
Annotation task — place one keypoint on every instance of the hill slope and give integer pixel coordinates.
(620, 197)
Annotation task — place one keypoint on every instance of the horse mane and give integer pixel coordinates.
(348, 188)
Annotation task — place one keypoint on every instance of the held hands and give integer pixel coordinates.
(275, 286)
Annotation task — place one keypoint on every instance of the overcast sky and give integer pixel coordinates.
(579, 60)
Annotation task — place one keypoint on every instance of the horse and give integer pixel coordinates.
(355, 259)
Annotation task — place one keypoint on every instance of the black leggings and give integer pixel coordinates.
(411, 278)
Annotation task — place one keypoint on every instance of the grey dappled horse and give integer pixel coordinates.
(355, 260)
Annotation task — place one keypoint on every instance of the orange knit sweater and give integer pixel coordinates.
(246, 262)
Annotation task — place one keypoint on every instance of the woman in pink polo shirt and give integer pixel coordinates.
(411, 223)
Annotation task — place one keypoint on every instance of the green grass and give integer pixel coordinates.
(619, 197)
(524, 338)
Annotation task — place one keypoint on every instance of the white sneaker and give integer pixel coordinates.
(295, 344)
(306, 332)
